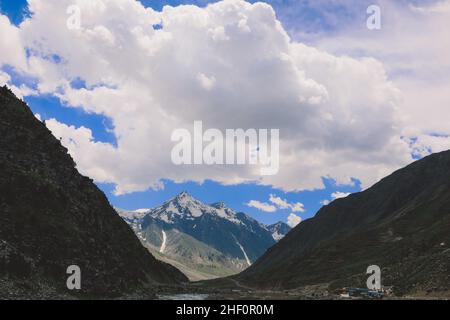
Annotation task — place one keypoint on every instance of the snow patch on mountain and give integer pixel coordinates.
(171, 208)
(278, 230)
(245, 254)
(277, 236)
(163, 245)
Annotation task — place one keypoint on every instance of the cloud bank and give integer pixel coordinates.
(230, 65)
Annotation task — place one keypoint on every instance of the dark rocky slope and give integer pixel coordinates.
(52, 217)
(401, 224)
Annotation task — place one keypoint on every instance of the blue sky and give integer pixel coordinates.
(15, 10)
(307, 16)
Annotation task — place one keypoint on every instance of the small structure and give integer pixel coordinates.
(360, 293)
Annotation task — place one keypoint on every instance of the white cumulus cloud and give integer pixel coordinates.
(280, 203)
(275, 203)
(11, 45)
(297, 207)
(334, 196)
(414, 46)
(339, 195)
(263, 206)
(230, 64)
(293, 220)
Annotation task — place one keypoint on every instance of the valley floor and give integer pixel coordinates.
(231, 290)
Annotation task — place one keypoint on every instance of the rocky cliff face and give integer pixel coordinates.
(401, 224)
(52, 217)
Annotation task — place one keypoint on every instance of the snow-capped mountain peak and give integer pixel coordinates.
(183, 197)
(278, 230)
(184, 206)
(219, 205)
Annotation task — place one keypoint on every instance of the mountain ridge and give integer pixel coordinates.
(402, 224)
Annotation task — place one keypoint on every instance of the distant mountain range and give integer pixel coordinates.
(204, 241)
(51, 217)
(401, 224)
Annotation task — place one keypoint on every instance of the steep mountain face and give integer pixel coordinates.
(401, 224)
(52, 217)
(204, 241)
(278, 230)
